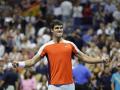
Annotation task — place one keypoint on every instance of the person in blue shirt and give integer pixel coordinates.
(115, 80)
(81, 76)
(10, 78)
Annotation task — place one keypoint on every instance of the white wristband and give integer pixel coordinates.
(9, 65)
(21, 64)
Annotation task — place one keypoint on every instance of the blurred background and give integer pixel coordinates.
(93, 25)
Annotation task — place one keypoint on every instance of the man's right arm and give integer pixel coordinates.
(32, 61)
(27, 63)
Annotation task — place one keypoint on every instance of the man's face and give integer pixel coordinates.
(57, 31)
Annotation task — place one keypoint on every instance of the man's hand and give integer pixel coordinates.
(105, 59)
(19, 64)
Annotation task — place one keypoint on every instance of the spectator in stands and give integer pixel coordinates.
(43, 82)
(77, 15)
(115, 80)
(2, 49)
(105, 79)
(81, 76)
(28, 82)
(10, 78)
(109, 8)
(42, 68)
(87, 37)
(66, 10)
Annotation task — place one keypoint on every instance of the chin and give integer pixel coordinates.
(59, 35)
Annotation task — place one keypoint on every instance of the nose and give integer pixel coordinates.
(60, 29)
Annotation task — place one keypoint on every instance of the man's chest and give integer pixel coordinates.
(59, 49)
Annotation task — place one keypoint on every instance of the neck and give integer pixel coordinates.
(58, 39)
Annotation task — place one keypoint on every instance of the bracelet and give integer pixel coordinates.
(21, 64)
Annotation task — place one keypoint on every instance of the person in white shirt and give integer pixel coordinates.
(2, 50)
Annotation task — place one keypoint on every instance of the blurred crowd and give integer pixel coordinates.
(93, 25)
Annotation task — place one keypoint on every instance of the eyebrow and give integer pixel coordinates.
(58, 27)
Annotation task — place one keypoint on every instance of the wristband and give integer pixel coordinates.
(9, 65)
(21, 64)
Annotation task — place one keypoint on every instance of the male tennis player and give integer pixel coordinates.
(59, 53)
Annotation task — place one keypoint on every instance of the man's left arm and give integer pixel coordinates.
(86, 58)
(90, 59)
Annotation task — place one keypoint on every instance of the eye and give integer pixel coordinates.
(61, 27)
(58, 27)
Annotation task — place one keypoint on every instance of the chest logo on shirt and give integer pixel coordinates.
(65, 45)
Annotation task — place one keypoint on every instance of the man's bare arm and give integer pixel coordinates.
(89, 59)
(27, 63)
(32, 61)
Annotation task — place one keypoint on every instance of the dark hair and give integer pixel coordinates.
(55, 22)
(25, 74)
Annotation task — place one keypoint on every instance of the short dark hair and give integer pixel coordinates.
(25, 74)
(55, 22)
